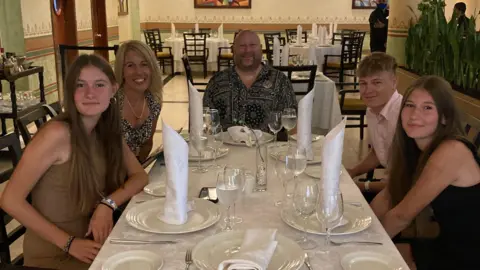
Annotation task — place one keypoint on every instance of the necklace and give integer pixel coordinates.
(133, 111)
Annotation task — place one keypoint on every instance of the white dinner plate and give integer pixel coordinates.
(356, 221)
(279, 154)
(370, 260)
(211, 251)
(315, 137)
(208, 154)
(133, 260)
(227, 139)
(156, 189)
(315, 171)
(145, 217)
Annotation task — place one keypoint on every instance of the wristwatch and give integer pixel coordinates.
(367, 185)
(110, 203)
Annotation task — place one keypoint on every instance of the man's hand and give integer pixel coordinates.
(379, 24)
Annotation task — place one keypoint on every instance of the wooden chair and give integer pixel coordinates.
(203, 31)
(337, 36)
(11, 142)
(361, 36)
(347, 60)
(196, 49)
(154, 40)
(188, 74)
(224, 58)
(269, 47)
(292, 35)
(297, 80)
(38, 116)
(355, 107)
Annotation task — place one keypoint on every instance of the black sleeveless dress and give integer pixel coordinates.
(457, 211)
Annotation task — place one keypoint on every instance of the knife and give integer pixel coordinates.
(139, 242)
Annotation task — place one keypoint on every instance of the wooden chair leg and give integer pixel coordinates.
(218, 65)
(362, 123)
(173, 66)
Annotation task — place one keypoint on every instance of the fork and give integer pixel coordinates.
(188, 259)
(355, 242)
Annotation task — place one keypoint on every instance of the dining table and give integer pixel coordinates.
(258, 211)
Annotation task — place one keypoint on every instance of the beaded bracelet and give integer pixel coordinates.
(66, 248)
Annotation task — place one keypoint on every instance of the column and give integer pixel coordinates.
(99, 26)
(398, 23)
(129, 24)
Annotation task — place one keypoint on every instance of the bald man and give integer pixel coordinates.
(247, 92)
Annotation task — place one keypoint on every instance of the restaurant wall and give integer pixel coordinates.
(472, 5)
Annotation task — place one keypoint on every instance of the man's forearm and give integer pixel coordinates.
(367, 164)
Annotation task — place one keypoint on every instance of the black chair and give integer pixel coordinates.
(154, 40)
(11, 142)
(38, 116)
(347, 60)
(355, 107)
(269, 47)
(361, 36)
(292, 35)
(203, 31)
(304, 75)
(188, 74)
(195, 48)
(338, 36)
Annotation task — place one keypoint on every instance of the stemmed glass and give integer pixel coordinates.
(329, 211)
(214, 118)
(207, 119)
(285, 176)
(228, 187)
(305, 202)
(296, 160)
(240, 174)
(216, 142)
(289, 121)
(275, 125)
(199, 141)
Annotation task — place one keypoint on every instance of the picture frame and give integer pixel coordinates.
(364, 4)
(122, 7)
(240, 4)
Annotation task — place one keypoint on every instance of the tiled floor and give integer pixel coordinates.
(175, 113)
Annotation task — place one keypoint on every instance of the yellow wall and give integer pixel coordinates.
(471, 6)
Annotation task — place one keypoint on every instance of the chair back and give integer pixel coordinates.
(350, 51)
(195, 44)
(203, 31)
(153, 39)
(269, 47)
(292, 35)
(361, 37)
(38, 116)
(304, 75)
(472, 129)
(11, 142)
(338, 36)
(188, 73)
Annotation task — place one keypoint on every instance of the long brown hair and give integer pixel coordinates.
(85, 190)
(407, 161)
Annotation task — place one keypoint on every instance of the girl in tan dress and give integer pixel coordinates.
(75, 169)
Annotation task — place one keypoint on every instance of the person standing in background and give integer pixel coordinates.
(379, 27)
(462, 21)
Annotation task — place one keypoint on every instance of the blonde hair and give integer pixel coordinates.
(375, 63)
(156, 83)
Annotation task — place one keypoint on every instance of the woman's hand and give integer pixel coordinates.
(101, 223)
(84, 250)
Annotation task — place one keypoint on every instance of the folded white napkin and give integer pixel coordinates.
(172, 29)
(276, 51)
(255, 252)
(322, 33)
(299, 34)
(176, 162)
(304, 125)
(335, 27)
(330, 30)
(241, 134)
(197, 29)
(285, 54)
(314, 29)
(312, 54)
(195, 109)
(332, 156)
(220, 31)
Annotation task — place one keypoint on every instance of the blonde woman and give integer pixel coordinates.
(75, 169)
(139, 96)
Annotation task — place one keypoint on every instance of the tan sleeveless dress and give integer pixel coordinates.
(51, 198)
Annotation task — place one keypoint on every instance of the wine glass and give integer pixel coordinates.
(199, 141)
(214, 118)
(305, 201)
(216, 142)
(207, 119)
(284, 175)
(289, 121)
(275, 125)
(329, 211)
(228, 188)
(296, 160)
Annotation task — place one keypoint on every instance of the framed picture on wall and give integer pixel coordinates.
(222, 3)
(364, 4)
(122, 7)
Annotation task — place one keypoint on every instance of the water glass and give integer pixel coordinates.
(275, 125)
(289, 120)
(296, 160)
(214, 118)
(229, 187)
(329, 211)
(305, 201)
(216, 142)
(207, 119)
(284, 175)
(199, 141)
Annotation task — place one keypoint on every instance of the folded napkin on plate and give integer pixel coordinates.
(299, 34)
(172, 29)
(276, 51)
(241, 134)
(304, 125)
(255, 252)
(220, 32)
(176, 162)
(332, 156)
(285, 53)
(197, 29)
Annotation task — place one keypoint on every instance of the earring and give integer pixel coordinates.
(113, 100)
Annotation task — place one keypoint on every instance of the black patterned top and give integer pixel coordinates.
(136, 137)
(271, 91)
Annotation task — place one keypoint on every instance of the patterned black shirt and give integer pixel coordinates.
(271, 91)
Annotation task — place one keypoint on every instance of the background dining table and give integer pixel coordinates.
(257, 210)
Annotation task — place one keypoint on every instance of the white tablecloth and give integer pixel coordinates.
(326, 112)
(320, 52)
(213, 44)
(257, 211)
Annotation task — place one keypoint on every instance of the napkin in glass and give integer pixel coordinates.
(304, 125)
(285, 52)
(220, 32)
(276, 51)
(195, 109)
(176, 162)
(299, 34)
(172, 29)
(242, 134)
(197, 29)
(332, 156)
(314, 30)
(255, 252)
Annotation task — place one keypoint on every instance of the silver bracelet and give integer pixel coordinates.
(109, 202)
(66, 248)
